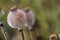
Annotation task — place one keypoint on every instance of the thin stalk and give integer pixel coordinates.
(21, 35)
(32, 35)
(4, 33)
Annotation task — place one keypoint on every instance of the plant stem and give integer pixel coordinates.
(22, 35)
(3, 33)
(32, 35)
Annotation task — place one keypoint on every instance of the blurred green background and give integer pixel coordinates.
(47, 14)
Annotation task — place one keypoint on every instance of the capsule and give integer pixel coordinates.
(30, 18)
(53, 37)
(16, 18)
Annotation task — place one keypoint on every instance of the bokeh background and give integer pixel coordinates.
(47, 15)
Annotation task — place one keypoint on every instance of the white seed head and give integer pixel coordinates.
(16, 19)
(30, 17)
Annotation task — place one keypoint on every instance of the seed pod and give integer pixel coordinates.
(16, 19)
(30, 18)
(2, 13)
(53, 37)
